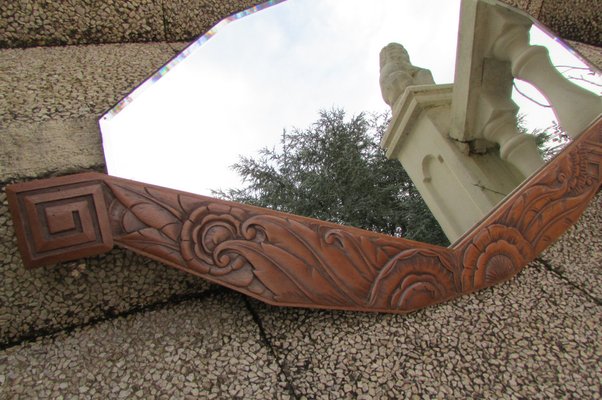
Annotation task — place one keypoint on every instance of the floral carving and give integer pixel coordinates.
(290, 260)
(413, 279)
(495, 254)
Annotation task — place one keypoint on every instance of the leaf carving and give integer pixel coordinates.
(148, 210)
(296, 241)
(290, 278)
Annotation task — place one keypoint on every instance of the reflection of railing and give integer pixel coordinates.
(481, 154)
(495, 50)
(574, 106)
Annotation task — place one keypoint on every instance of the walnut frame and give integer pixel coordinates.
(289, 260)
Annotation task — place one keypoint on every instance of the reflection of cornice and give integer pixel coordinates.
(408, 107)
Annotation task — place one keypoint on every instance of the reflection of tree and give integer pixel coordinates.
(581, 74)
(335, 170)
(550, 141)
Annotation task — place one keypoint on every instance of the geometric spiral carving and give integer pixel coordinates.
(59, 224)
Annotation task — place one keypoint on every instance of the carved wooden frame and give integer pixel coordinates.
(289, 260)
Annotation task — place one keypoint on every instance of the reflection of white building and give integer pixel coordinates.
(460, 143)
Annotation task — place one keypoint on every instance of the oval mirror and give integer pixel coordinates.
(372, 117)
(219, 118)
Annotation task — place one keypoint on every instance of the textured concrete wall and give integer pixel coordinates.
(49, 94)
(26, 23)
(50, 100)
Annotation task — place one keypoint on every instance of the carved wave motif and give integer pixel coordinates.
(276, 258)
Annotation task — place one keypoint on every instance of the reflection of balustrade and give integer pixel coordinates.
(574, 106)
(464, 152)
(482, 107)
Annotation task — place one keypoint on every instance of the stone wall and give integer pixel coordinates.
(50, 100)
(27, 23)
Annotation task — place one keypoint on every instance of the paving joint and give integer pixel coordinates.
(110, 315)
(569, 282)
(266, 341)
(164, 18)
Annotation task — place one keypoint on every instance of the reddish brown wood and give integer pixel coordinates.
(59, 221)
(290, 260)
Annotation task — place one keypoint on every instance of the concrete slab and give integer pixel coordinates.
(534, 337)
(36, 302)
(208, 348)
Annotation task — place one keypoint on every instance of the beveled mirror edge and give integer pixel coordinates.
(288, 260)
(198, 41)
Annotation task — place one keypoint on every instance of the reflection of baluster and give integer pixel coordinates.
(519, 150)
(496, 119)
(574, 106)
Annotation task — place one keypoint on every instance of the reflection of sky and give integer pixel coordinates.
(266, 72)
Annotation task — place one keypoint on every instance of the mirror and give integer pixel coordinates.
(236, 90)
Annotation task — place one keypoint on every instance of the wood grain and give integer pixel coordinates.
(289, 260)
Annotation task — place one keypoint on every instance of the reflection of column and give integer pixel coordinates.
(495, 114)
(458, 187)
(574, 106)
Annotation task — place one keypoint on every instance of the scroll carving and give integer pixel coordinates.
(290, 260)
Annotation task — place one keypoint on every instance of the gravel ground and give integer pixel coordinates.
(534, 337)
(577, 257)
(27, 23)
(207, 348)
(575, 20)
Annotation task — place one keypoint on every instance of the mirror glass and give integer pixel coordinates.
(261, 78)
